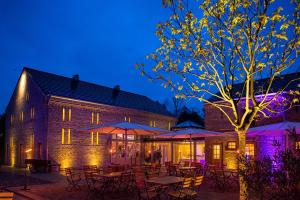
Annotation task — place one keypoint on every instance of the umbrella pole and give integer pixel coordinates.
(126, 144)
(190, 150)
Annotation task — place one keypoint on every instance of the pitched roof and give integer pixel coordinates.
(187, 124)
(279, 83)
(52, 84)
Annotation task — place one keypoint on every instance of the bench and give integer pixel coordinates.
(6, 195)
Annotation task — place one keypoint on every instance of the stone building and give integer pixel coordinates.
(46, 112)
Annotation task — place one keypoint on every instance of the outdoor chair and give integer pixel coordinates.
(107, 169)
(125, 182)
(179, 193)
(96, 184)
(145, 191)
(186, 164)
(73, 179)
(6, 195)
(153, 172)
(168, 163)
(192, 193)
(172, 170)
(199, 170)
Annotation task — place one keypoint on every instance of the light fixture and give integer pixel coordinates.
(28, 150)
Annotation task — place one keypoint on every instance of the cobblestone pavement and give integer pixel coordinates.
(53, 186)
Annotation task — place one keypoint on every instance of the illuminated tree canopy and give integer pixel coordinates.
(209, 46)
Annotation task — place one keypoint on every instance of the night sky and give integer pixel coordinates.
(99, 40)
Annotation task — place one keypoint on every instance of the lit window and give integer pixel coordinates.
(154, 123)
(70, 114)
(32, 113)
(97, 118)
(62, 136)
(92, 120)
(97, 138)
(231, 145)
(127, 119)
(249, 149)
(92, 138)
(69, 136)
(297, 144)
(63, 114)
(151, 123)
(130, 137)
(21, 117)
(169, 126)
(216, 151)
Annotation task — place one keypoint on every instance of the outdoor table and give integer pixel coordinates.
(165, 180)
(112, 175)
(187, 168)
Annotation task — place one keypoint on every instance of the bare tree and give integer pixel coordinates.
(209, 46)
(178, 104)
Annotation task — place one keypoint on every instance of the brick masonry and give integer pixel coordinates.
(43, 134)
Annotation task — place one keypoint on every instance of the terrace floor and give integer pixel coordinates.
(53, 186)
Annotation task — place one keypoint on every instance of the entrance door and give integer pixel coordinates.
(200, 152)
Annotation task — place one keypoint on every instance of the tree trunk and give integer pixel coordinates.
(242, 146)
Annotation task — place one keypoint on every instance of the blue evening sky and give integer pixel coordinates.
(97, 39)
(100, 40)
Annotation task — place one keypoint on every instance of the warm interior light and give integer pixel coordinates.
(28, 150)
(110, 151)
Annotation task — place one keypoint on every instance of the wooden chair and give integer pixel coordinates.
(96, 184)
(144, 191)
(73, 179)
(6, 195)
(186, 163)
(192, 193)
(172, 170)
(179, 193)
(124, 183)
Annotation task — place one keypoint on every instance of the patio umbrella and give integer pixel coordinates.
(191, 133)
(276, 128)
(125, 128)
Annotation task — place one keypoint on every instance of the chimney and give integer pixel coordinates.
(74, 81)
(115, 92)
